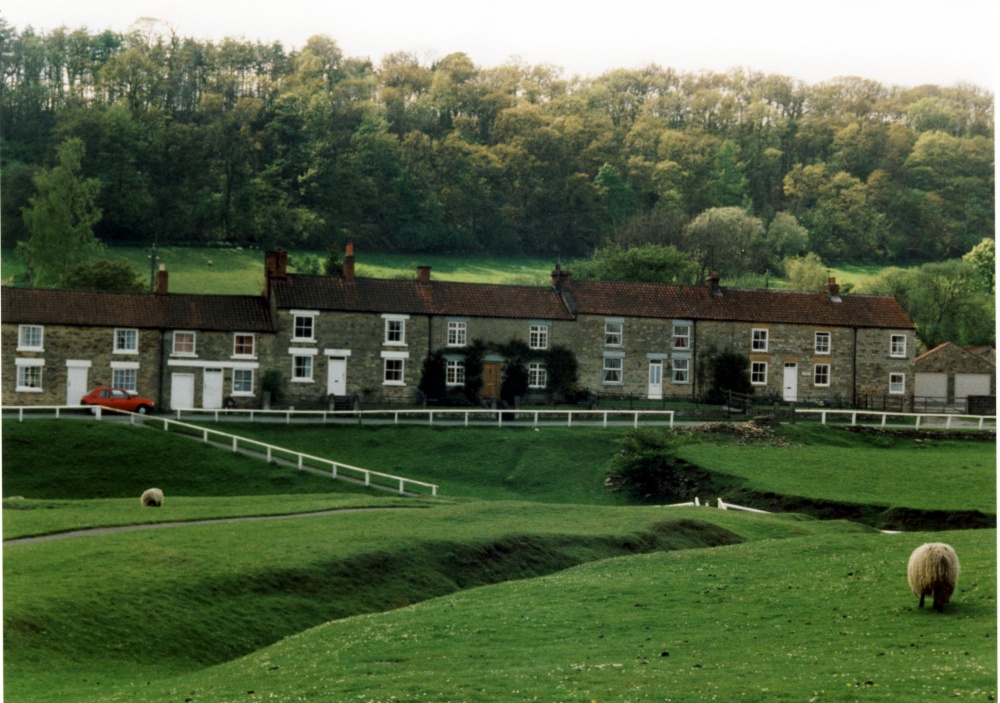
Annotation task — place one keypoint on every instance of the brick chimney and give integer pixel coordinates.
(275, 266)
(161, 280)
(833, 290)
(348, 271)
(424, 274)
(712, 282)
(561, 279)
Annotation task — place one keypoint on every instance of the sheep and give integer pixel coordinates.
(933, 570)
(151, 498)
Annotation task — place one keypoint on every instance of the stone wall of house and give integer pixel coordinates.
(953, 360)
(91, 348)
(217, 351)
(876, 364)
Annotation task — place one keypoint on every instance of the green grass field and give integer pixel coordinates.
(528, 581)
(239, 271)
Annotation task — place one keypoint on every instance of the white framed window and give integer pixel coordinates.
(394, 372)
(897, 345)
(758, 373)
(124, 379)
(30, 338)
(822, 343)
(457, 333)
(395, 330)
(682, 335)
(304, 325)
(680, 371)
(244, 346)
(184, 343)
(302, 368)
(613, 371)
(758, 339)
(538, 337)
(454, 372)
(897, 383)
(538, 375)
(126, 341)
(821, 375)
(243, 382)
(29, 375)
(613, 333)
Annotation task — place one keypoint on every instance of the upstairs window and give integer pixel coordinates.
(613, 333)
(243, 345)
(682, 335)
(538, 337)
(822, 345)
(126, 341)
(184, 343)
(758, 340)
(304, 327)
(457, 334)
(29, 338)
(395, 330)
(897, 345)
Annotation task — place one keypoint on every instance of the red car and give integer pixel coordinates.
(118, 399)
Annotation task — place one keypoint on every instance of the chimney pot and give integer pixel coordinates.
(712, 282)
(161, 280)
(561, 279)
(424, 274)
(349, 262)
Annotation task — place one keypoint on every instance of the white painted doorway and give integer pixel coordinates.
(336, 376)
(76, 381)
(790, 386)
(181, 391)
(211, 392)
(655, 379)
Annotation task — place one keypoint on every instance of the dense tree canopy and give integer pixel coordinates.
(249, 143)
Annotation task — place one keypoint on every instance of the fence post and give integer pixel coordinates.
(234, 444)
(269, 455)
(333, 465)
(430, 417)
(401, 491)
(300, 462)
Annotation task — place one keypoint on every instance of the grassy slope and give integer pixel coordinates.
(822, 618)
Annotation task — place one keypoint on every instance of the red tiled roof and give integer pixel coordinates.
(144, 310)
(412, 297)
(738, 305)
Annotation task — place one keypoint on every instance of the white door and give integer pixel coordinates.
(655, 379)
(931, 386)
(791, 383)
(76, 382)
(336, 376)
(181, 391)
(211, 393)
(967, 384)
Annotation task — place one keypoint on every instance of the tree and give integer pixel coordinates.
(652, 263)
(116, 275)
(983, 259)
(786, 237)
(805, 272)
(60, 218)
(726, 237)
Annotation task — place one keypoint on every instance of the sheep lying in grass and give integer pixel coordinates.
(152, 498)
(933, 570)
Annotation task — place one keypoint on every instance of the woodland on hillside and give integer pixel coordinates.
(150, 137)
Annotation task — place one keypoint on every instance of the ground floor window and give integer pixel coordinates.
(613, 371)
(29, 378)
(538, 375)
(897, 383)
(124, 379)
(821, 375)
(454, 372)
(302, 368)
(242, 381)
(681, 371)
(394, 372)
(758, 373)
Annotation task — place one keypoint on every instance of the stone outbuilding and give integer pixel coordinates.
(948, 374)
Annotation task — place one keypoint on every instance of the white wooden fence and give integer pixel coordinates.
(270, 451)
(720, 504)
(948, 421)
(450, 417)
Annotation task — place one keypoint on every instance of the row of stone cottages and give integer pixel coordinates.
(345, 336)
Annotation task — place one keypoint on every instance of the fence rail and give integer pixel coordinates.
(445, 416)
(951, 421)
(270, 451)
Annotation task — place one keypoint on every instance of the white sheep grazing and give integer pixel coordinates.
(933, 570)
(152, 498)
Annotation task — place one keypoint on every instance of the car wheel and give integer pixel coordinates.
(143, 409)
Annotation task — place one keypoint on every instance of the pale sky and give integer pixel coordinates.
(896, 42)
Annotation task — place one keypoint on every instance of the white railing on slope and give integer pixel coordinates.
(721, 505)
(460, 416)
(951, 421)
(271, 451)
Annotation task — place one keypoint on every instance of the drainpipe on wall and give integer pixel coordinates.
(854, 370)
(694, 361)
(163, 369)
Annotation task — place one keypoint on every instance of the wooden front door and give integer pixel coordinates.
(491, 379)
